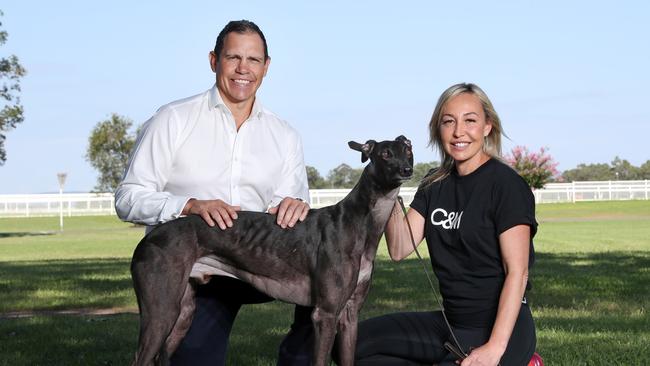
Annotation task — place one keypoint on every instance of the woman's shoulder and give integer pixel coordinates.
(506, 179)
(500, 169)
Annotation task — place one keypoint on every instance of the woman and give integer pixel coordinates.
(478, 218)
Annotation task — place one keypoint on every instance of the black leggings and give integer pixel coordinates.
(418, 338)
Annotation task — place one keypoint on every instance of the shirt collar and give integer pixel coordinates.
(217, 102)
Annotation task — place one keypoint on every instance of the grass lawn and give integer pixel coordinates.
(590, 297)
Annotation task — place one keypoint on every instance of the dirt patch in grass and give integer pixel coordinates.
(31, 313)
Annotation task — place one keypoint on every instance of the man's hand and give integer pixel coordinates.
(212, 211)
(289, 211)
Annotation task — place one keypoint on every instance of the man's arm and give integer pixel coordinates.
(139, 197)
(291, 197)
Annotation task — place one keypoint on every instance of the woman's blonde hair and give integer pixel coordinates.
(491, 143)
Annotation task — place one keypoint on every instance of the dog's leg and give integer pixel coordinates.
(157, 317)
(184, 320)
(159, 282)
(324, 332)
(347, 326)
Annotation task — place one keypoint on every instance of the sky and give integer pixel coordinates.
(571, 76)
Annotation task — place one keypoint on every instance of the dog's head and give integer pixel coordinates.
(391, 162)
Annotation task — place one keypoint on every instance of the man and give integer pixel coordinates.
(211, 155)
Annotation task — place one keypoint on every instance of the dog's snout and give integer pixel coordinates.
(407, 171)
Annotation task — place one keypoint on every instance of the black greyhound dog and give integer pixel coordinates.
(325, 262)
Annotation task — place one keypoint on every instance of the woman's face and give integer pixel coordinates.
(463, 127)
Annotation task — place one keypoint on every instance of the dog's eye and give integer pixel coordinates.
(409, 152)
(385, 154)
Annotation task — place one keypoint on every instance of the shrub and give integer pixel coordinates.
(537, 168)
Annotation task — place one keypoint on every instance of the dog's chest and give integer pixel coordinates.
(380, 213)
(383, 207)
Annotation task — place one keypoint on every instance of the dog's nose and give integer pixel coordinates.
(407, 172)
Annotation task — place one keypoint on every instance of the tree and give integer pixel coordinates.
(624, 170)
(536, 168)
(644, 170)
(419, 171)
(314, 178)
(589, 172)
(12, 112)
(344, 176)
(108, 150)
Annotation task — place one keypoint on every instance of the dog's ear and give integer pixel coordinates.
(365, 149)
(404, 140)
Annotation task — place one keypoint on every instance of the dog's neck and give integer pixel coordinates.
(375, 203)
(375, 199)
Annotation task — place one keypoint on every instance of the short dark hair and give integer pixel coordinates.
(241, 27)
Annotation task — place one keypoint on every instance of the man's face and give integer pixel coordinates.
(240, 68)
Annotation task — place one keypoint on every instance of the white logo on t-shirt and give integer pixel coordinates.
(440, 217)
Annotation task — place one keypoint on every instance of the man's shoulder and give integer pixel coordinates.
(184, 103)
(274, 122)
(171, 116)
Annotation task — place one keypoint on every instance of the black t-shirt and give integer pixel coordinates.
(464, 216)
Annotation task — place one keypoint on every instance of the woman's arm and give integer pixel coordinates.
(397, 233)
(514, 244)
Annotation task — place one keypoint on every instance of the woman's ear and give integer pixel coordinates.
(487, 128)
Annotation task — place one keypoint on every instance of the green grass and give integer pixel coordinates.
(83, 237)
(588, 227)
(590, 297)
(594, 211)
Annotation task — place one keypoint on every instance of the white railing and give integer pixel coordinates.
(612, 190)
(80, 204)
(74, 204)
(325, 197)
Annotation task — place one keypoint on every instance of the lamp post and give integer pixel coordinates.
(61, 177)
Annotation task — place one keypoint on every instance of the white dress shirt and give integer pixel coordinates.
(191, 149)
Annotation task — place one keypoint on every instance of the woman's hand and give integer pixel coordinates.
(514, 244)
(486, 355)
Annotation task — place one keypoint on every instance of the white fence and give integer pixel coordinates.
(616, 190)
(325, 197)
(73, 204)
(81, 204)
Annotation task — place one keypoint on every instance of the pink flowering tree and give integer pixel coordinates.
(537, 168)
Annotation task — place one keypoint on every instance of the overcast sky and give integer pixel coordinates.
(569, 75)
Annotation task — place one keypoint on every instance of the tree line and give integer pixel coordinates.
(111, 141)
(344, 176)
(617, 169)
(535, 170)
